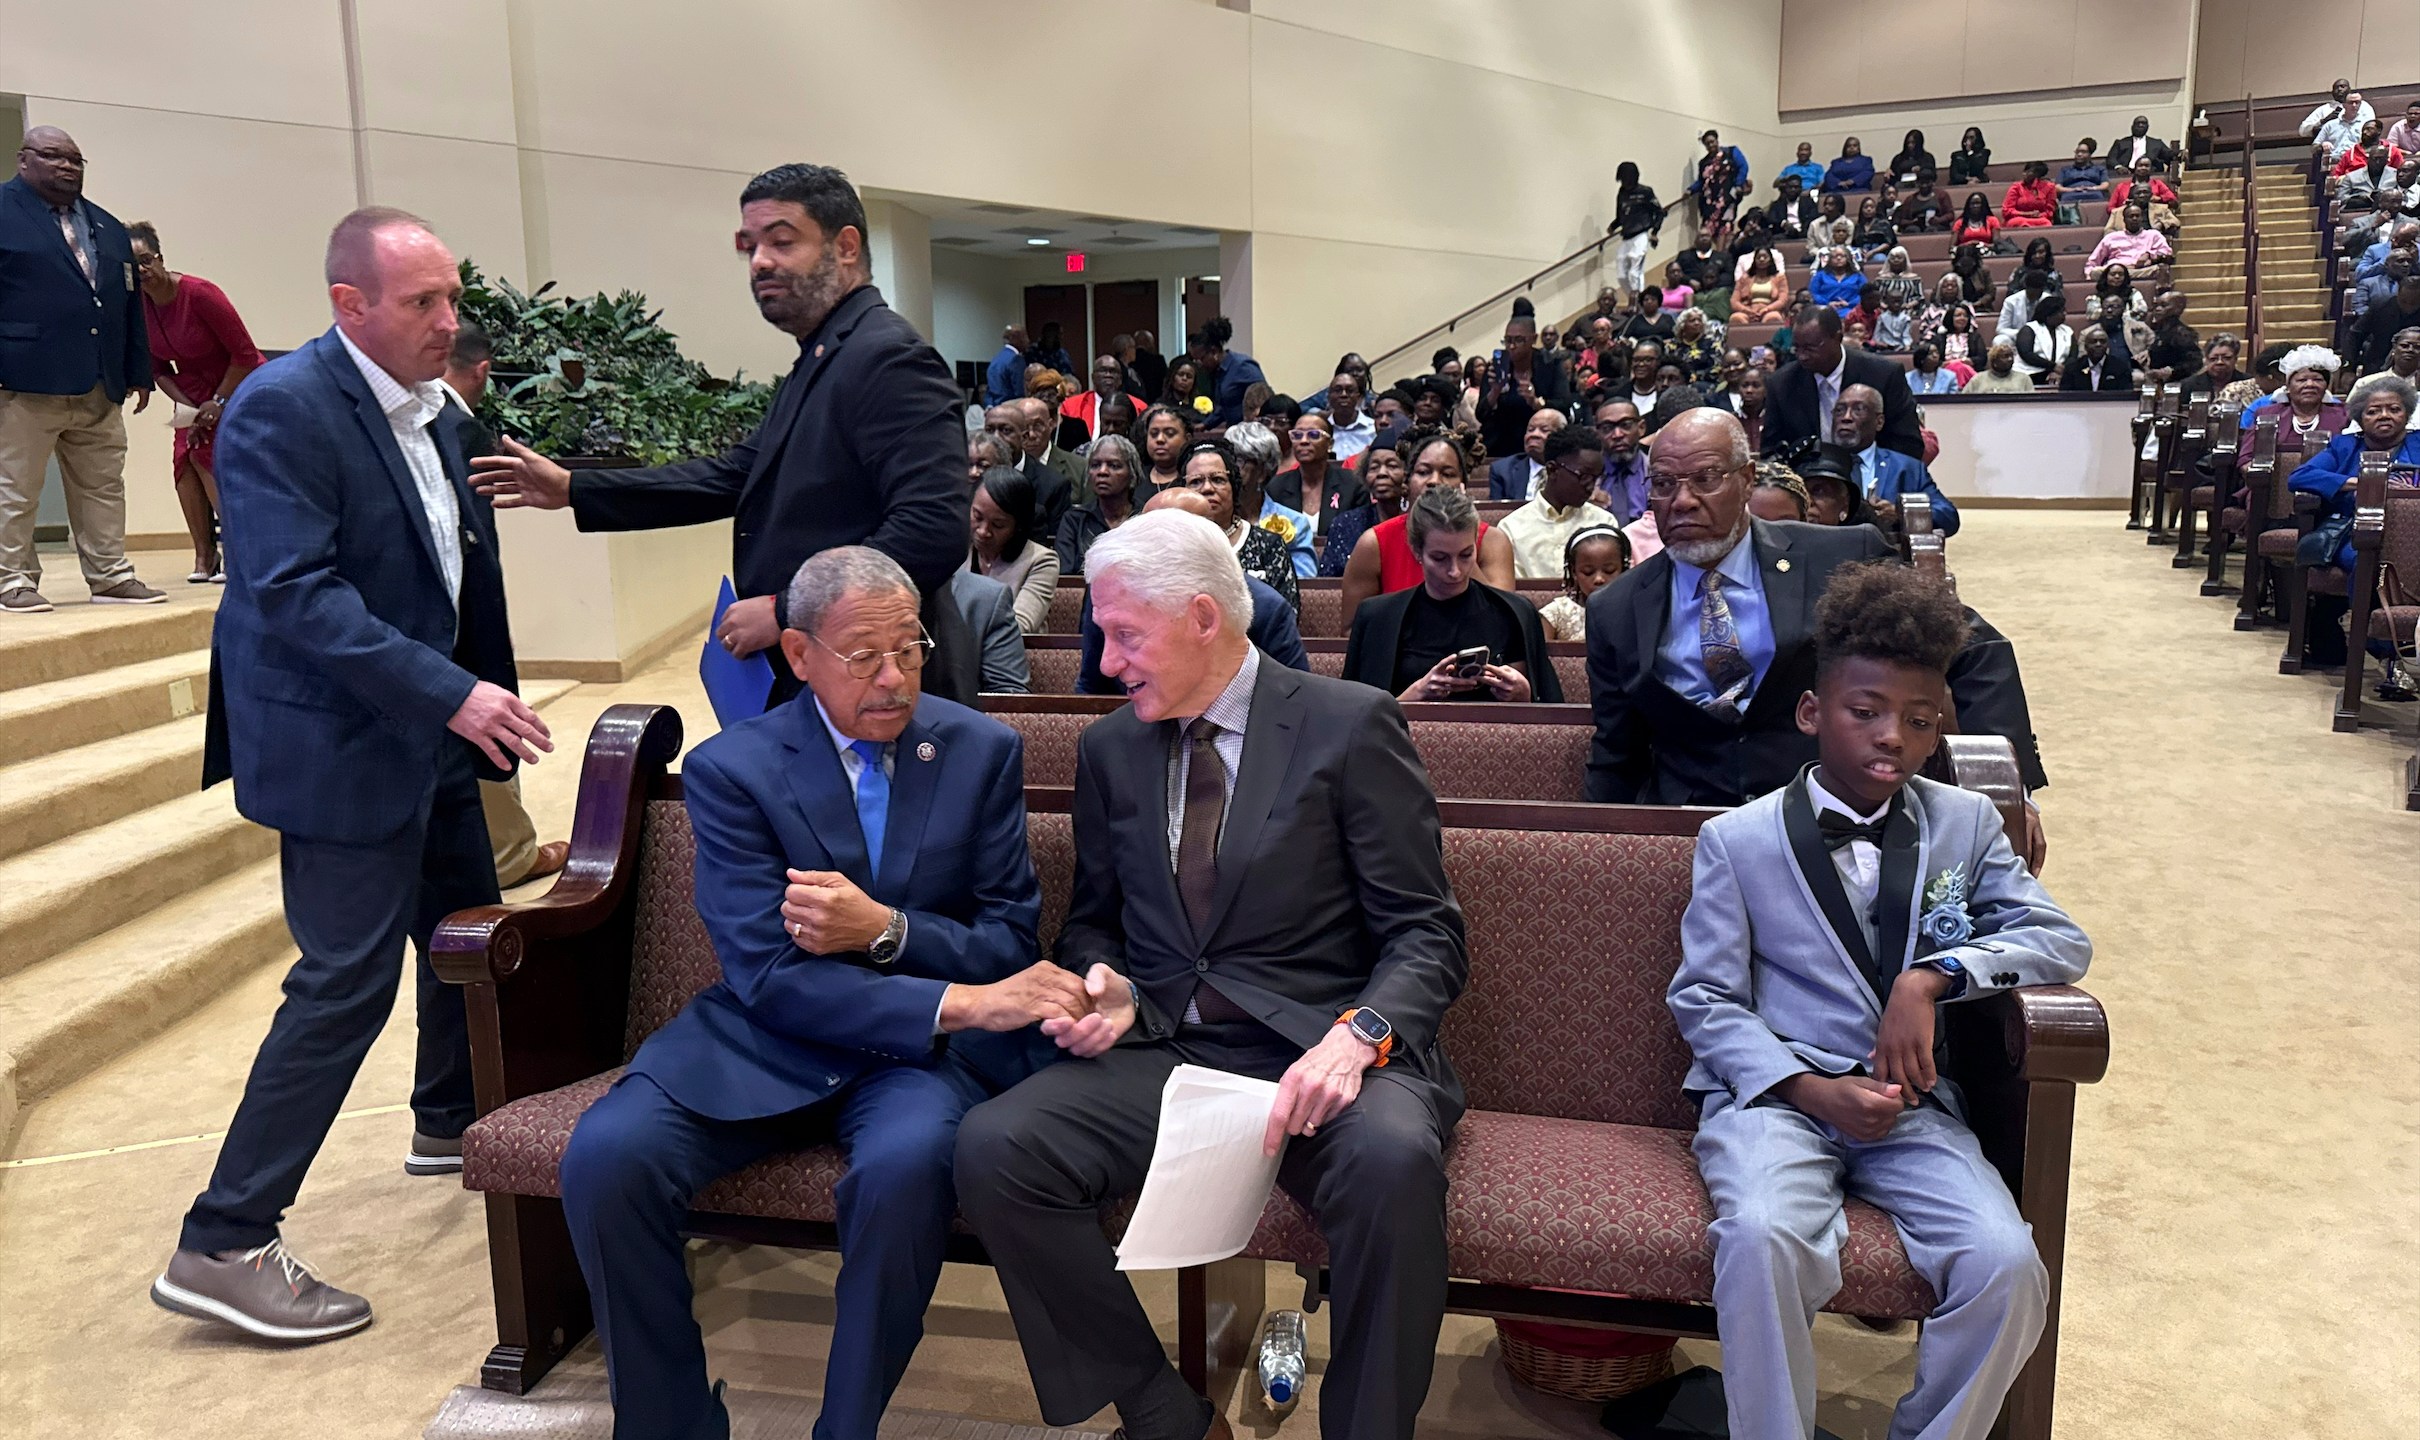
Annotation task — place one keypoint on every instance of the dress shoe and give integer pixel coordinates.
(264, 1291)
(432, 1156)
(551, 858)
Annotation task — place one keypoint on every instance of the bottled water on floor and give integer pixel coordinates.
(1281, 1360)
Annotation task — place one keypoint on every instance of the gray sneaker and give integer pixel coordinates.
(130, 591)
(432, 1156)
(24, 600)
(266, 1292)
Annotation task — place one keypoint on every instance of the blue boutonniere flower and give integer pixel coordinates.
(1945, 922)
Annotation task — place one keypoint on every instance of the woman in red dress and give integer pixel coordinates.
(200, 352)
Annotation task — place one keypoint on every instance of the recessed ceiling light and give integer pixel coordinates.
(1036, 240)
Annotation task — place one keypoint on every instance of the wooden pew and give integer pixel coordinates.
(2270, 523)
(2386, 567)
(1571, 1195)
(2144, 466)
(2183, 475)
(2217, 498)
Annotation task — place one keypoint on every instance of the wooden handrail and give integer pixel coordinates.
(2252, 340)
(1378, 362)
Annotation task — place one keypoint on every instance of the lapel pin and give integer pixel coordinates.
(819, 352)
(925, 751)
(1783, 565)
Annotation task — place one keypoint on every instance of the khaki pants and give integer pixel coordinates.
(88, 433)
(510, 831)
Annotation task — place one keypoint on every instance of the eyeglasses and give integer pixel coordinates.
(1308, 432)
(1704, 482)
(866, 664)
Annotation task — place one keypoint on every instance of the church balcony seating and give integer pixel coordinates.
(1572, 1197)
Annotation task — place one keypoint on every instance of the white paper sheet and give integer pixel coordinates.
(1208, 1181)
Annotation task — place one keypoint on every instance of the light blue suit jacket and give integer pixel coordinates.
(1769, 987)
(1897, 475)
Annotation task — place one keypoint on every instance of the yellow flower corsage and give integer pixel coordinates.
(1201, 404)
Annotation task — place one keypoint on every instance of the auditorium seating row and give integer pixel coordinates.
(1053, 661)
(2249, 512)
(1322, 613)
(1572, 1196)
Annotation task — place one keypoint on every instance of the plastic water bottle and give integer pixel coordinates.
(1281, 1360)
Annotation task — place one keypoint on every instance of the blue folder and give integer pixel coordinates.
(736, 685)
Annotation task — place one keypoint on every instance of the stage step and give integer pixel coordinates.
(56, 715)
(53, 796)
(87, 639)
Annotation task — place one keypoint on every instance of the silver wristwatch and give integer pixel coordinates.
(885, 949)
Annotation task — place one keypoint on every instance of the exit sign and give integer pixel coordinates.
(1075, 262)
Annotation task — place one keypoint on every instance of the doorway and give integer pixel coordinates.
(1065, 307)
(1125, 307)
(1201, 305)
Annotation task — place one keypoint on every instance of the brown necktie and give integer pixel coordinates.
(1205, 807)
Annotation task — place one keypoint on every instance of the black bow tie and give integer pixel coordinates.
(1839, 829)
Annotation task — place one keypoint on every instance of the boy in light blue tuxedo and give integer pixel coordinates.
(1827, 922)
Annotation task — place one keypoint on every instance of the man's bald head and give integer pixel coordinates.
(393, 286)
(1189, 501)
(1033, 424)
(51, 165)
(1857, 419)
(1711, 426)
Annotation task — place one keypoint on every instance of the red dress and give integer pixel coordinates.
(2029, 204)
(195, 337)
(1398, 567)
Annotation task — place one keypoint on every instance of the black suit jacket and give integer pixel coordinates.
(1377, 639)
(1654, 748)
(2116, 374)
(1790, 404)
(1331, 874)
(863, 446)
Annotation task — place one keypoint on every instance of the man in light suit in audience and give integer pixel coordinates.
(1260, 887)
(869, 998)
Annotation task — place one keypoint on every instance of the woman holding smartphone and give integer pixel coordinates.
(1450, 637)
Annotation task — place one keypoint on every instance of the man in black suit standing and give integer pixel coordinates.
(1259, 888)
(1802, 395)
(1697, 656)
(863, 446)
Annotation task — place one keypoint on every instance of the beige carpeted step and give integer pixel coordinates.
(53, 796)
(70, 890)
(64, 1017)
(113, 932)
(86, 639)
(56, 715)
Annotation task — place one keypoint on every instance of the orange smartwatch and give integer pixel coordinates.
(1370, 1027)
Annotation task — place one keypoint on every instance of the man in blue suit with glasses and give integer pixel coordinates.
(863, 874)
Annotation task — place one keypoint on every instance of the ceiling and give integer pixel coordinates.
(983, 228)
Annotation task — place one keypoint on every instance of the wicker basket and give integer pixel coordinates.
(1530, 1355)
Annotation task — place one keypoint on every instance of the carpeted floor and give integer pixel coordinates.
(2240, 1257)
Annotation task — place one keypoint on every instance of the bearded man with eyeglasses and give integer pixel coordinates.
(1697, 656)
(863, 875)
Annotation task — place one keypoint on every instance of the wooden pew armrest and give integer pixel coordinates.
(2050, 1033)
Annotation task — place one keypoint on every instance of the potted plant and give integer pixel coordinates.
(599, 381)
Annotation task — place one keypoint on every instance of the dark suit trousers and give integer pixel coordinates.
(637, 1159)
(1036, 1165)
(351, 909)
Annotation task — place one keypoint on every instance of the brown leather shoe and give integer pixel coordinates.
(551, 858)
(266, 1292)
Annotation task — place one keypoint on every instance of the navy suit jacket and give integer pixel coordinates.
(1791, 396)
(337, 657)
(1508, 478)
(1897, 476)
(1274, 631)
(59, 334)
(784, 1029)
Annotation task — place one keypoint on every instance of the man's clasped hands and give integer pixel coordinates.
(826, 914)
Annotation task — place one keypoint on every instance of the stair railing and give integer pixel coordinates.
(2252, 341)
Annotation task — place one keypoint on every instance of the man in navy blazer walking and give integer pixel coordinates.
(362, 684)
(72, 343)
(863, 874)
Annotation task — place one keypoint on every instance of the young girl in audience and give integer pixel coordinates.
(1958, 335)
(1592, 558)
(1875, 234)
(1815, 1079)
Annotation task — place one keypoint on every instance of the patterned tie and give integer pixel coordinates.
(1727, 670)
(1205, 807)
(67, 231)
(873, 801)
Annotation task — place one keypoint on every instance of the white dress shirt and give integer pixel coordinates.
(852, 765)
(409, 411)
(1859, 862)
(1827, 392)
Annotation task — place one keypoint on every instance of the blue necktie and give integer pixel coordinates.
(873, 802)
